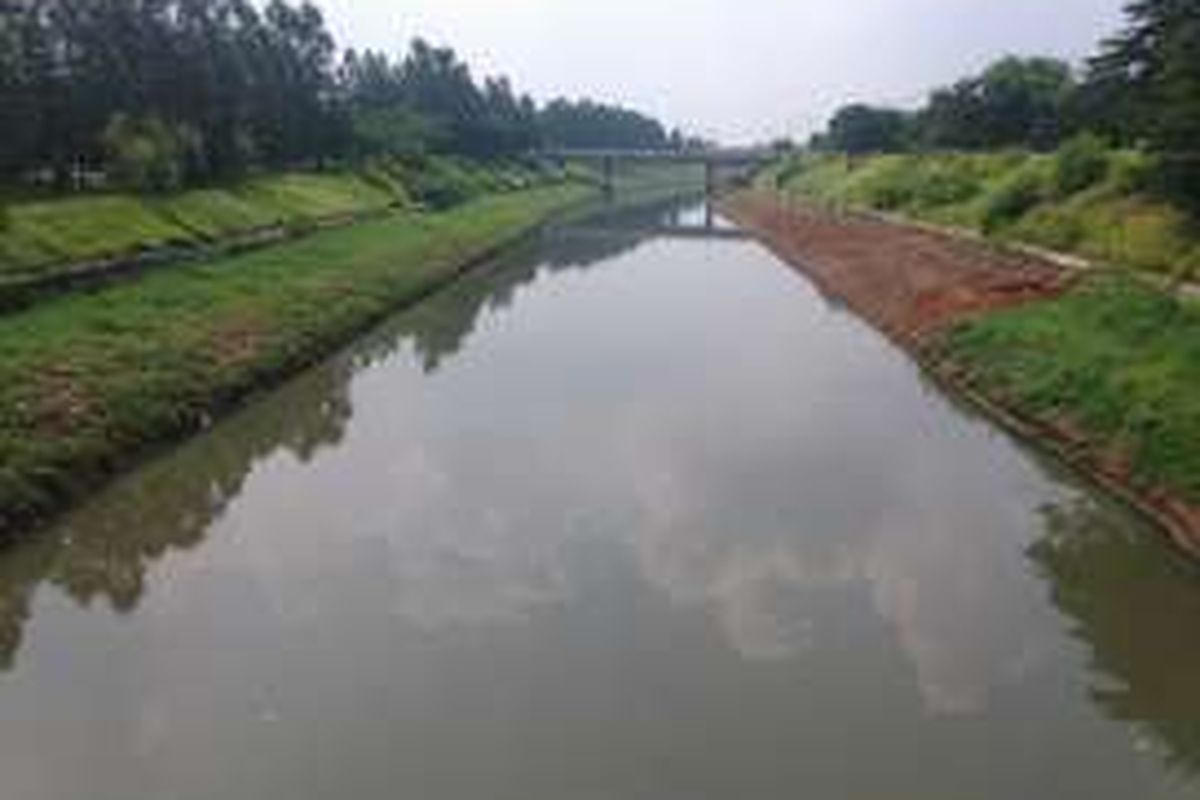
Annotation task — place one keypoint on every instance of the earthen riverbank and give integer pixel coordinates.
(916, 286)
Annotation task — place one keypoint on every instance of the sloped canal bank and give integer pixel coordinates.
(1098, 367)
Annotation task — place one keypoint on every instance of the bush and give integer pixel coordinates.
(1052, 226)
(944, 184)
(1080, 163)
(1015, 196)
(892, 187)
(790, 170)
(440, 182)
(146, 154)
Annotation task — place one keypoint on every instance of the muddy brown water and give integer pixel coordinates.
(626, 513)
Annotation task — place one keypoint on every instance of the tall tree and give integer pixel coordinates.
(1154, 67)
(295, 56)
(204, 88)
(1015, 102)
(586, 124)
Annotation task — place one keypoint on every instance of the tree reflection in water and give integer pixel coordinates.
(104, 550)
(1136, 609)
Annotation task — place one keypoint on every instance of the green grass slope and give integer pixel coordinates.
(88, 379)
(1115, 359)
(41, 236)
(1082, 201)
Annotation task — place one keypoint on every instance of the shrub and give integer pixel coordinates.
(943, 182)
(440, 182)
(1131, 171)
(892, 188)
(1080, 163)
(145, 153)
(790, 170)
(1052, 226)
(1015, 196)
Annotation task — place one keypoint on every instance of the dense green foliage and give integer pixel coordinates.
(428, 102)
(1147, 85)
(1142, 88)
(1016, 102)
(145, 153)
(159, 92)
(585, 124)
(91, 378)
(1115, 358)
(241, 85)
(1079, 200)
(1081, 162)
(1013, 103)
(858, 129)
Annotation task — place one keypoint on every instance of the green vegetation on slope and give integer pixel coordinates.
(41, 236)
(92, 378)
(1083, 199)
(1114, 358)
(1141, 89)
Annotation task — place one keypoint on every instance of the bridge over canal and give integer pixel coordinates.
(715, 160)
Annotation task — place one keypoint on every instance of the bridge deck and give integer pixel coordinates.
(733, 156)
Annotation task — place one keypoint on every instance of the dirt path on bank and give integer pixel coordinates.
(906, 281)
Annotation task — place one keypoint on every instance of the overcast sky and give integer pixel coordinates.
(734, 70)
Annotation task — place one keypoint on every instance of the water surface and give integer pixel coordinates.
(632, 512)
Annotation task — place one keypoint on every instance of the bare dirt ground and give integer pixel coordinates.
(907, 281)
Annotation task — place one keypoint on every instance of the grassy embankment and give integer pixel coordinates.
(41, 236)
(1114, 363)
(89, 380)
(1083, 200)
(1110, 368)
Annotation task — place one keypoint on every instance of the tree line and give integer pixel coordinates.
(167, 92)
(1140, 89)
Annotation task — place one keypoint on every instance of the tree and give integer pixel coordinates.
(147, 154)
(296, 57)
(438, 86)
(17, 115)
(859, 128)
(163, 90)
(588, 125)
(1015, 102)
(1154, 67)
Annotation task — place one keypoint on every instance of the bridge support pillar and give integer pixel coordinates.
(710, 177)
(609, 174)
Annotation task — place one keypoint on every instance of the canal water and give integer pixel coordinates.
(632, 512)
